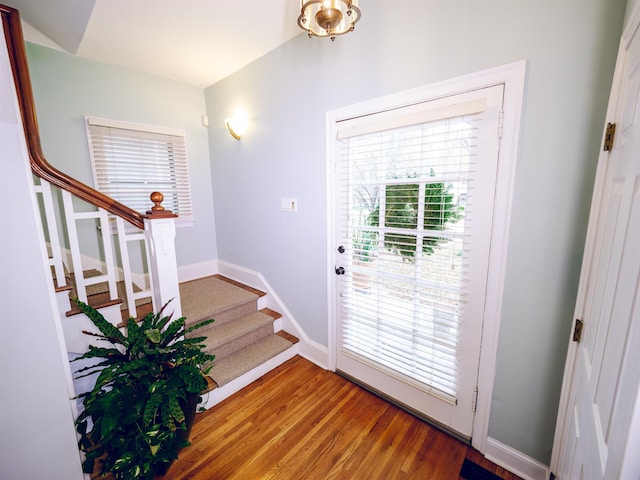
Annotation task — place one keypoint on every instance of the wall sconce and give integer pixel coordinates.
(237, 124)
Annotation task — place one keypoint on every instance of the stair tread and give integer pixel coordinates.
(286, 335)
(96, 301)
(208, 297)
(242, 361)
(99, 296)
(226, 332)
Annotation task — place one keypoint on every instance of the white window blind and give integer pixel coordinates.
(132, 161)
(406, 206)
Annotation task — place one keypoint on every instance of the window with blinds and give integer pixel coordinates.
(132, 161)
(406, 209)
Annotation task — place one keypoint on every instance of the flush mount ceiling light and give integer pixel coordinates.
(328, 18)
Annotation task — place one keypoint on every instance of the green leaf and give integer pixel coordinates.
(162, 321)
(88, 465)
(167, 419)
(156, 385)
(106, 328)
(82, 428)
(147, 321)
(153, 335)
(151, 408)
(100, 352)
(199, 325)
(192, 378)
(176, 409)
(133, 330)
(109, 421)
(172, 330)
(123, 461)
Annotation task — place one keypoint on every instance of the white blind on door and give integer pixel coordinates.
(407, 208)
(131, 162)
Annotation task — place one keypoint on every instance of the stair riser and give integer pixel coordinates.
(78, 342)
(224, 317)
(233, 366)
(226, 349)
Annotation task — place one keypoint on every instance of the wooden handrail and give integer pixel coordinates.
(39, 165)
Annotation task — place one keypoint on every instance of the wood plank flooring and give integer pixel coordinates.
(302, 422)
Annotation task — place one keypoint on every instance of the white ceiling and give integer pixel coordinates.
(197, 42)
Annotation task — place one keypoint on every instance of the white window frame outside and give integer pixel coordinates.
(513, 77)
(184, 219)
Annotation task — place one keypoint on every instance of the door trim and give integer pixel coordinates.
(513, 77)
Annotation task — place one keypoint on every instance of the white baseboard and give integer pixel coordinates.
(515, 461)
(197, 270)
(219, 394)
(314, 352)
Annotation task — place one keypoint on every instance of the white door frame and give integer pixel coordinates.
(513, 77)
(613, 110)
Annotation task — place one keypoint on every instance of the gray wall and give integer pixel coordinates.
(570, 47)
(67, 88)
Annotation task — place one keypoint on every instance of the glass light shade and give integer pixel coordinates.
(328, 18)
(237, 125)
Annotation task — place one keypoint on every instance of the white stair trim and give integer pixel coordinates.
(219, 394)
(307, 348)
(72, 326)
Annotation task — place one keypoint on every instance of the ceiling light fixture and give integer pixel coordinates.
(328, 18)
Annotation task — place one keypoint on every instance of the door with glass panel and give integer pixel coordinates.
(414, 203)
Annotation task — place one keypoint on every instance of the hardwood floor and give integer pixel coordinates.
(302, 422)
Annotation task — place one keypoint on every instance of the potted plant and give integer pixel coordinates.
(138, 414)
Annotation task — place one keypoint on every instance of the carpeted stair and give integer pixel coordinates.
(241, 337)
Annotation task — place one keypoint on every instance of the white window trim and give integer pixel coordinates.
(181, 221)
(513, 77)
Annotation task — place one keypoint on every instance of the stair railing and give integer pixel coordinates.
(156, 228)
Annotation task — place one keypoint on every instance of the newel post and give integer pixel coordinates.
(160, 232)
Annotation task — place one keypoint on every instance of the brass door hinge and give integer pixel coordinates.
(609, 135)
(577, 330)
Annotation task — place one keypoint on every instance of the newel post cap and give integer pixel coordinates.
(157, 210)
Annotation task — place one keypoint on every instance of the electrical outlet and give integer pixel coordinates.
(289, 204)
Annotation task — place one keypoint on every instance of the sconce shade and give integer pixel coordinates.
(237, 125)
(328, 18)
